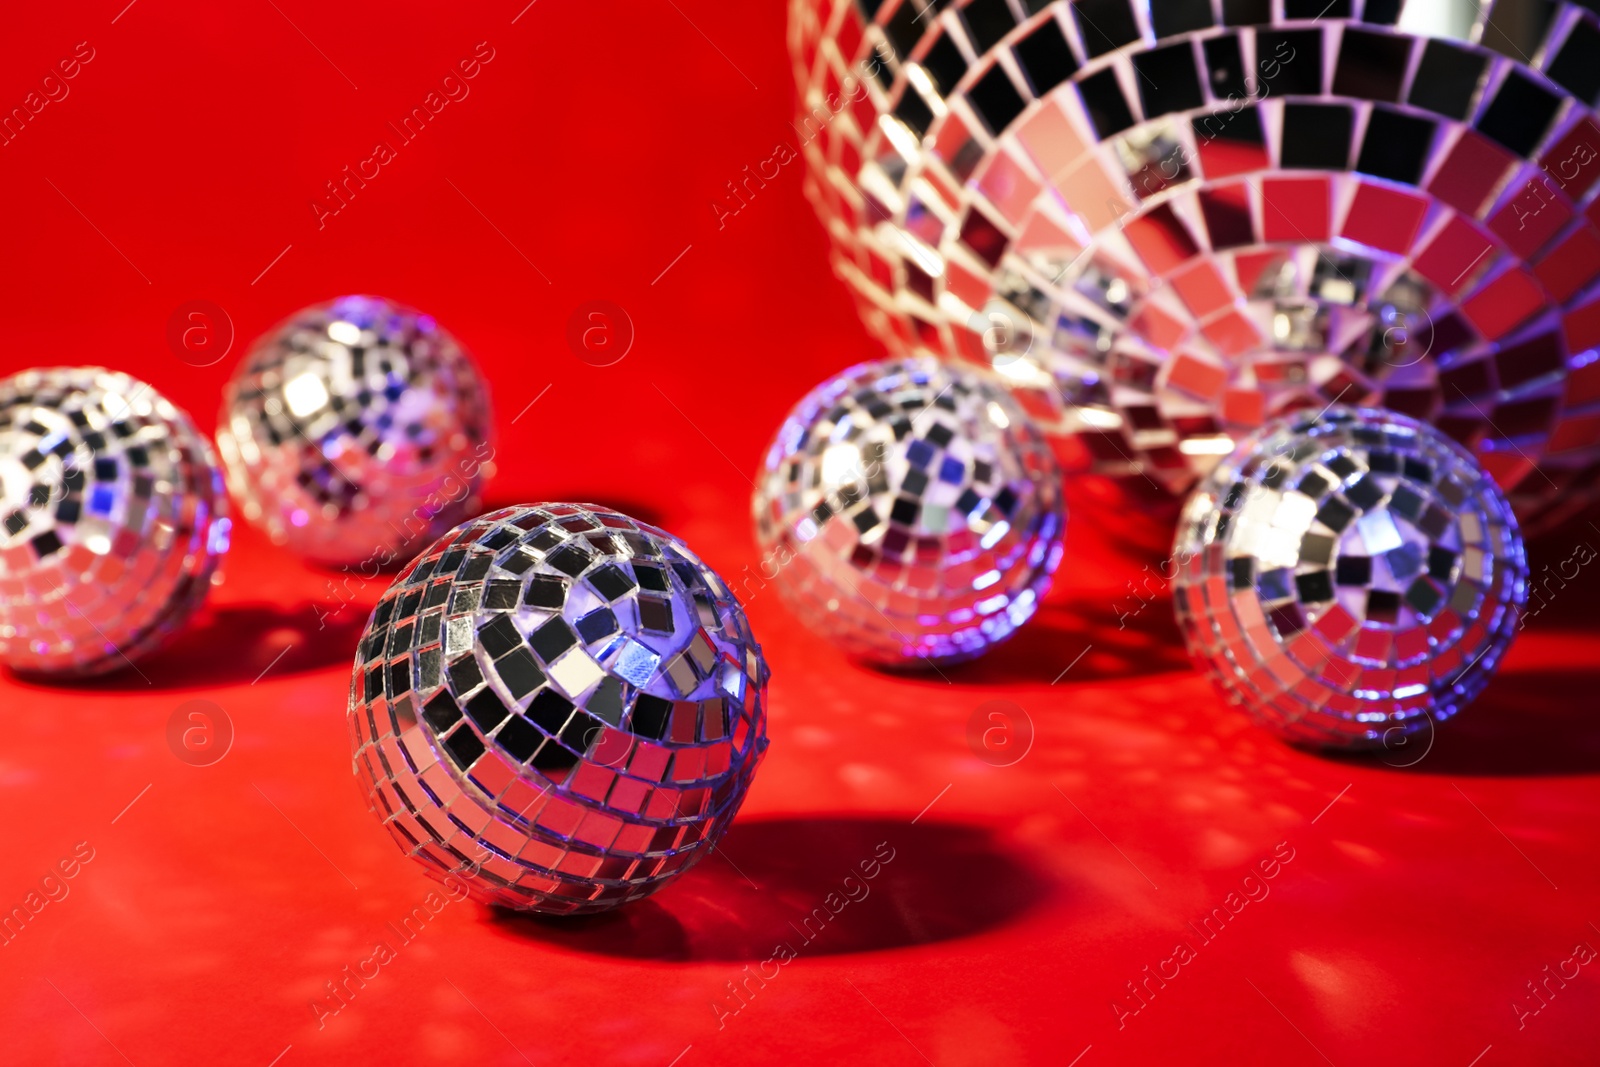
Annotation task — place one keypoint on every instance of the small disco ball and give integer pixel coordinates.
(356, 432)
(1349, 577)
(114, 520)
(909, 511)
(560, 705)
(1168, 222)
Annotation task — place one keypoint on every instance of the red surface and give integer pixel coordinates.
(217, 907)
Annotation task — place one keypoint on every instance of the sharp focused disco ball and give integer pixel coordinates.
(112, 520)
(910, 512)
(1166, 223)
(356, 432)
(560, 705)
(1350, 578)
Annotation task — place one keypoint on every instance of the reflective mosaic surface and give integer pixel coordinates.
(112, 520)
(356, 432)
(1346, 576)
(561, 705)
(1167, 223)
(910, 512)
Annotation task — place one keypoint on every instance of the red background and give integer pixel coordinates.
(218, 905)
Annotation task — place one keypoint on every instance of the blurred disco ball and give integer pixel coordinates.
(114, 520)
(356, 431)
(1349, 577)
(1166, 223)
(558, 705)
(910, 513)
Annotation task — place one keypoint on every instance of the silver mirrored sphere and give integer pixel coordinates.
(113, 520)
(356, 431)
(558, 705)
(909, 511)
(1167, 222)
(1349, 577)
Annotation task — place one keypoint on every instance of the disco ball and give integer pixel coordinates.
(1349, 577)
(1166, 223)
(909, 512)
(356, 431)
(114, 520)
(559, 705)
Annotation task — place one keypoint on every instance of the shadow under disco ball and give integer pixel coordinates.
(559, 705)
(356, 431)
(1349, 577)
(1166, 223)
(114, 520)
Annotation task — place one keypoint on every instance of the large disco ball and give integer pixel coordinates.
(1166, 223)
(910, 513)
(1349, 577)
(559, 705)
(114, 520)
(356, 431)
